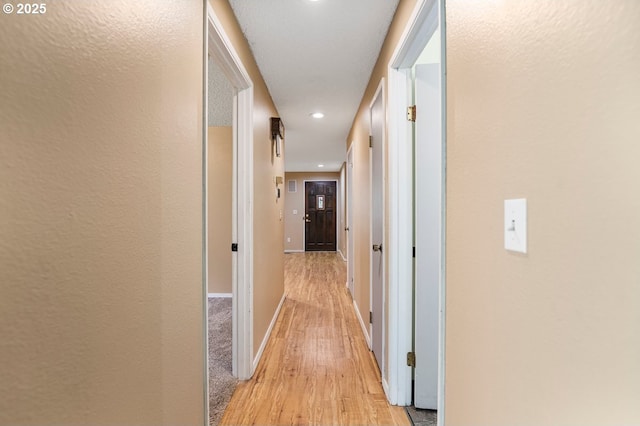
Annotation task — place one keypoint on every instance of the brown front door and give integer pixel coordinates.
(320, 216)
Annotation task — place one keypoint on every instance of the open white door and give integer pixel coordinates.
(428, 232)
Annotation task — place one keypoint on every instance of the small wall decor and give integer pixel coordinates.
(277, 134)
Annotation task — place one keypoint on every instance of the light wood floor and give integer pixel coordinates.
(316, 368)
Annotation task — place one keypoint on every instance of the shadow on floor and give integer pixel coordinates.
(421, 417)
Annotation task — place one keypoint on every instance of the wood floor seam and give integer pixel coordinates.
(316, 368)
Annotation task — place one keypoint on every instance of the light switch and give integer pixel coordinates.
(515, 225)
(295, 211)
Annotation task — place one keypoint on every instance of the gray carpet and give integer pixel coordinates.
(221, 381)
(421, 417)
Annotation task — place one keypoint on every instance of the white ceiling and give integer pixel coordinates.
(315, 56)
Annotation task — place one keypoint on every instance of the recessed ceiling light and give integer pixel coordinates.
(317, 115)
(320, 165)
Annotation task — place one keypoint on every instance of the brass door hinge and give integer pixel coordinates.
(411, 113)
(370, 141)
(411, 359)
(370, 317)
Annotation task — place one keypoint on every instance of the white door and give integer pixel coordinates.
(377, 230)
(348, 226)
(428, 232)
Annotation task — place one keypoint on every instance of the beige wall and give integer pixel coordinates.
(294, 224)
(358, 140)
(268, 228)
(101, 312)
(543, 103)
(220, 181)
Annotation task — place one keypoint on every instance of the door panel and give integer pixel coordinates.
(320, 216)
(428, 232)
(377, 230)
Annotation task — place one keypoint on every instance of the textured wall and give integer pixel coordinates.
(268, 247)
(220, 197)
(293, 224)
(220, 94)
(543, 103)
(101, 312)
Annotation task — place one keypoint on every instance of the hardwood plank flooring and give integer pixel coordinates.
(316, 368)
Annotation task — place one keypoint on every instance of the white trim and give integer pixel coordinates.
(401, 243)
(205, 207)
(344, 259)
(220, 295)
(263, 345)
(244, 287)
(349, 223)
(304, 191)
(379, 92)
(362, 325)
(222, 50)
(443, 271)
(385, 384)
(417, 33)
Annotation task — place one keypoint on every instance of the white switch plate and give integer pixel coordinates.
(295, 211)
(515, 225)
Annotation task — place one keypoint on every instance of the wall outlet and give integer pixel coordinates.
(288, 239)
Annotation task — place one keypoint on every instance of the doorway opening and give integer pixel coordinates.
(220, 169)
(227, 194)
(425, 235)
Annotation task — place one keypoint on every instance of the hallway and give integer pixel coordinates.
(316, 368)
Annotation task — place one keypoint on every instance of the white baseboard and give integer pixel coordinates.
(223, 295)
(342, 254)
(385, 388)
(268, 333)
(362, 325)
(294, 251)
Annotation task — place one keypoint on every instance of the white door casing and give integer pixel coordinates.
(348, 226)
(423, 22)
(222, 51)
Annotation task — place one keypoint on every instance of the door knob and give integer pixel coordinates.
(306, 218)
(377, 247)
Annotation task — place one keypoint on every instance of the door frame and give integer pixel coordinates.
(304, 230)
(219, 46)
(380, 92)
(420, 27)
(351, 285)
